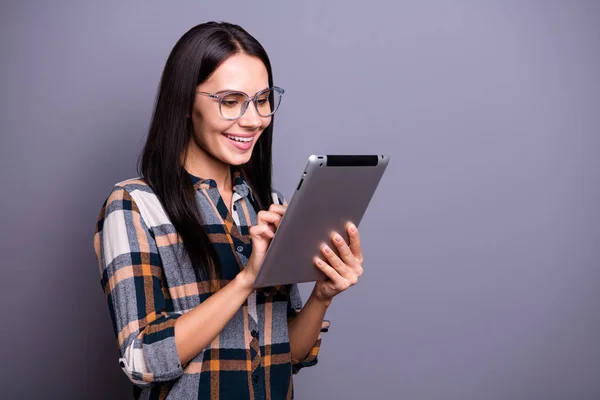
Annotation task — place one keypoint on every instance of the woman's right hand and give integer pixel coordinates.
(261, 235)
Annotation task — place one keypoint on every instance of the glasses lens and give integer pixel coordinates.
(233, 105)
(268, 101)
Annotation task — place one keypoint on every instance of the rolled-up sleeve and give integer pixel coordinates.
(294, 307)
(132, 279)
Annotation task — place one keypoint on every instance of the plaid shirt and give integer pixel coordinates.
(149, 282)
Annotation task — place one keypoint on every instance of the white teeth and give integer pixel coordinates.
(239, 139)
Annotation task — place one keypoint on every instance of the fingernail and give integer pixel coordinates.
(319, 262)
(352, 228)
(326, 249)
(337, 238)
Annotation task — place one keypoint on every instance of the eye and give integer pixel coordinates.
(233, 100)
(230, 103)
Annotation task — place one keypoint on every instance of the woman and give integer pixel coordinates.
(180, 247)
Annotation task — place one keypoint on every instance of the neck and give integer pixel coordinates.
(200, 163)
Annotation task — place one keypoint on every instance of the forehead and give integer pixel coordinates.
(239, 72)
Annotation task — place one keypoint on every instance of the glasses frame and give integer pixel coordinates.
(221, 95)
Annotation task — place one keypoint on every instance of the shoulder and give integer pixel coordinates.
(132, 185)
(125, 191)
(135, 195)
(128, 196)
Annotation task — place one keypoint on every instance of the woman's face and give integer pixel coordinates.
(230, 142)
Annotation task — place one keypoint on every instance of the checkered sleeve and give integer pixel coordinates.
(132, 279)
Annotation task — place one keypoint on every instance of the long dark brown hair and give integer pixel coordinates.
(193, 59)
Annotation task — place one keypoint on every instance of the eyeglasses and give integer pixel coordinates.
(233, 104)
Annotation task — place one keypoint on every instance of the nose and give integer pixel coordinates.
(250, 119)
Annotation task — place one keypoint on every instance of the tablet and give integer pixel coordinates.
(332, 191)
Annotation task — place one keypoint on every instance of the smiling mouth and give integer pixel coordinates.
(240, 139)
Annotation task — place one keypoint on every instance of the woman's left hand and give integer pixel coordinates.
(342, 272)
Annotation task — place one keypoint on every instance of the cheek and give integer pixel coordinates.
(266, 123)
(208, 129)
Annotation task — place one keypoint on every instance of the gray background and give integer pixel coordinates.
(482, 243)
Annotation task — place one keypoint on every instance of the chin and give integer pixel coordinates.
(239, 159)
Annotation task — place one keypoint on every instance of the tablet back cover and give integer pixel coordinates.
(332, 191)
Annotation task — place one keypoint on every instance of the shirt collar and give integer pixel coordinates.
(240, 186)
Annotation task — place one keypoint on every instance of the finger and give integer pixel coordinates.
(267, 217)
(262, 231)
(333, 260)
(355, 242)
(345, 253)
(277, 209)
(329, 272)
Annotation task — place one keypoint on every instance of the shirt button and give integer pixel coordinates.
(240, 249)
(256, 378)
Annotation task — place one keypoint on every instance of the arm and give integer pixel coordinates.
(342, 272)
(132, 278)
(196, 329)
(305, 327)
